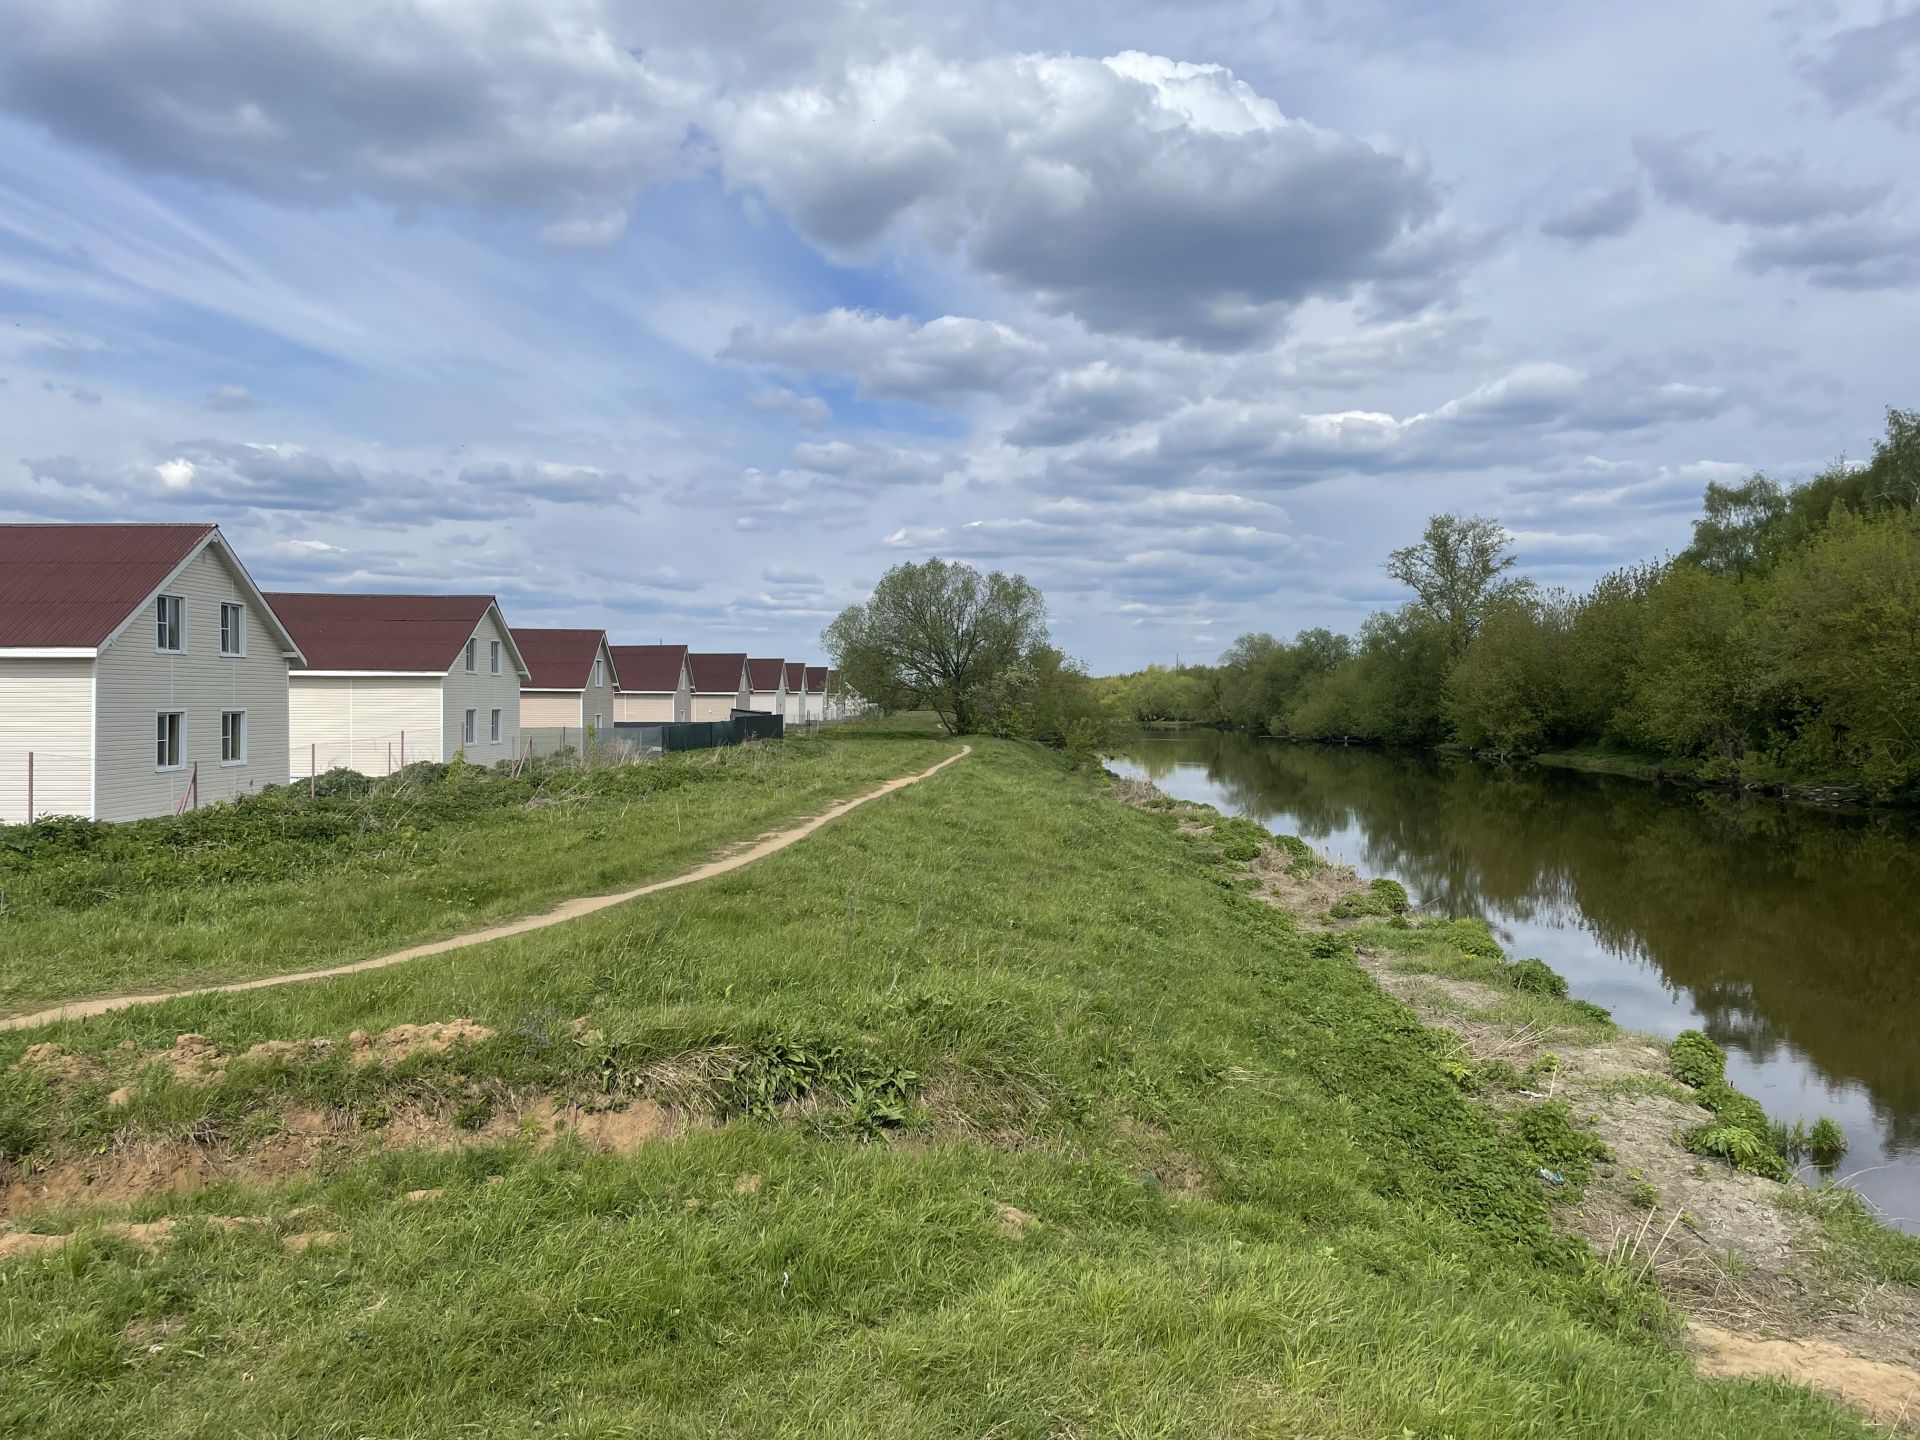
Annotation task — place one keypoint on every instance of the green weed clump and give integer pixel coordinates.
(1536, 977)
(1383, 897)
(1826, 1142)
(1697, 1061)
(1549, 1134)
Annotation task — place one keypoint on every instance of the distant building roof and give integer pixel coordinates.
(405, 634)
(649, 669)
(765, 675)
(796, 677)
(816, 679)
(560, 659)
(76, 586)
(717, 674)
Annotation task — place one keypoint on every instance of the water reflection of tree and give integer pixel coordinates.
(1783, 926)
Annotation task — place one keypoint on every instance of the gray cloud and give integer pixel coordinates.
(1751, 190)
(941, 362)
(808, 410)
(1098, 186)
(1865, 254)
(232, 398)
(1874, 66)
(1598, 215)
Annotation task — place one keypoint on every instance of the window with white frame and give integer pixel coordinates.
(599, 672)
(466, 729)
(170, 737)
(493, 657)
(172, 617)
(233, 737)
(493, 726)
(598, 726)
(233, 628)
(473, 655)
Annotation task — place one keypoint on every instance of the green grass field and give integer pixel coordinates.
(282, 884)
(1246, 1198)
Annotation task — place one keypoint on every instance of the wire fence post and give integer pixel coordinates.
(29, 787)
(389, 757)
(403, 749)
(313, 770)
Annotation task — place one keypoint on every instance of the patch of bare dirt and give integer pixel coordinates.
(305, 1240)
(1715, 1240)
(402, 1042)
(1015, 1223)
(1161, 1162)
(54, 1063)
(1885, 1393)
(147, 1234)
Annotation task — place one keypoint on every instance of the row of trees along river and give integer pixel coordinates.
(1782, 645)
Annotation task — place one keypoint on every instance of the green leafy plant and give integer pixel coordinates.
(1535, 977)
(1697, 1061)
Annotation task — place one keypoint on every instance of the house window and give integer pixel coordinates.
(473, 654)
(493, 657)
(171, 736)
(599, 673)
(466, 730)
(233, 737)
(597, 725)
(493, 726)
(233, 629)
(172, 616)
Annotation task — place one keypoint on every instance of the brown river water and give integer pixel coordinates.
(1789, 934)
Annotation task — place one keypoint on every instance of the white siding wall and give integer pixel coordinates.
(364, 722)
(483, 691)
(794, 708)
(550, 708)
(136, 681)
(717, 707)
(772, 701)
(648, 709)
(46, 706)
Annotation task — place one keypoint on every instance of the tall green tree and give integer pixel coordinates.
(940, 635)
(1456, 571)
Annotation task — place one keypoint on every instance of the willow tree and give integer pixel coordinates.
(937, 635)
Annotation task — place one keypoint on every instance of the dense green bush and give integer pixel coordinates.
(1697, 1061)
(1536, 977)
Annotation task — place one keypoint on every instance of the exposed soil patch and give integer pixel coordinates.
(1015, 1223)
(137, 1168)
(1886, 1394)
(403, 1042)
(1714, 1239)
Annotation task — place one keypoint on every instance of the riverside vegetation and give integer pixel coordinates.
(1778, 649)
(997, 1107)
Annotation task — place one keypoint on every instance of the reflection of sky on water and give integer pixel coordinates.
(1622, 978)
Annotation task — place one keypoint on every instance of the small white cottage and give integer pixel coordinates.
(719, 685)
(141, 672)
(393, 679)
(654, 686)
(767, 686)
(571, 685)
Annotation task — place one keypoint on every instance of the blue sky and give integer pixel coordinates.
(690, 319)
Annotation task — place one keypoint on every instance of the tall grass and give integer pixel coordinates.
(1259, 1206)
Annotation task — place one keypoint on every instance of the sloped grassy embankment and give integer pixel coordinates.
(996, 1108)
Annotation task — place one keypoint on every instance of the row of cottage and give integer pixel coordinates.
(142, 671)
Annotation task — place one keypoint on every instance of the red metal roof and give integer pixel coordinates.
(796, 677)
(649, 669)
(402, 633)
(559, 659)
(716, 674)
(73, 585)
(765, 675)
(816, 679)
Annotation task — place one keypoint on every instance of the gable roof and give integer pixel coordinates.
(816, 679)
(78, 586)
(399, 634)
(560, 659)
(765, 675)
(717, 674)
(648, 669)
(796, 677)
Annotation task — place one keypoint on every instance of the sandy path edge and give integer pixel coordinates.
(566, 910)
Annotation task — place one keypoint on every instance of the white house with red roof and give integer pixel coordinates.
(141, 672)
(796, 710)
(654, 686)
(395, 679)
(571, 682)
(719, 685)
(767, 686)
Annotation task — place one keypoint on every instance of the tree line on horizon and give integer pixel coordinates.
(1782, 644)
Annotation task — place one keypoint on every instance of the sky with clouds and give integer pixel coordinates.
(689, 317)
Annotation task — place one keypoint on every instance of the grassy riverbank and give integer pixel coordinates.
(994, 1108)
(280, 882)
